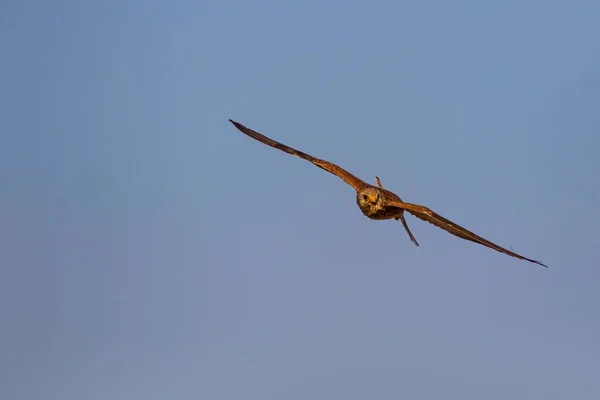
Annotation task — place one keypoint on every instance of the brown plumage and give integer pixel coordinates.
(378, 203)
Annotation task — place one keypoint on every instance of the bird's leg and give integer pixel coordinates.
(400, 216)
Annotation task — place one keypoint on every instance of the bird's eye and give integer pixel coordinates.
(365, 197)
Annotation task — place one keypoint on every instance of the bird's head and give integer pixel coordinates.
(368, 198)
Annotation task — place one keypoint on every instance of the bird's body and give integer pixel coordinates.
(378, 203)
(376, 207)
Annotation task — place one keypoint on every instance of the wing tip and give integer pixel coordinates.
(241, 127)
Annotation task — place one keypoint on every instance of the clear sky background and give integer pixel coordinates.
(149, 250)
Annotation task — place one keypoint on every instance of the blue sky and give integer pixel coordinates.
(148, 250)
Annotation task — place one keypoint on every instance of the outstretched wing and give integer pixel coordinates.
(434, 218)
(350, 179)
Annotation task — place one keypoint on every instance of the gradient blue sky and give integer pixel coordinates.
(148, 250)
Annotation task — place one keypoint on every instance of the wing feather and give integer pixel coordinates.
(350, 179)
(434, 218)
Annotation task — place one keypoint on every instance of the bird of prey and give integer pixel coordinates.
(378, 203)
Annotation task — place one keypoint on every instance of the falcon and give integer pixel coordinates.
(378, 203)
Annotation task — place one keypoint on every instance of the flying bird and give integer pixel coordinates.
(378, 203)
